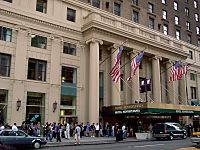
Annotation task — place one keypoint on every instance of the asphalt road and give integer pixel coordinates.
(147, 145)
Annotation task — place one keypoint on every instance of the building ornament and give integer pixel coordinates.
(93, 40)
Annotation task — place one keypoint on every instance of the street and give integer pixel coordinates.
(144, 145)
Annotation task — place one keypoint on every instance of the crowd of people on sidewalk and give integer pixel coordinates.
(59, 131)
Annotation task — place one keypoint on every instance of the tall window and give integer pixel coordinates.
(188, 25)
(176, 18)
(121, 82)
(37, 69)
(71, 14)
(151, 23)
(150, 8)
(135, 16)
(117, 9)
(193, 92)
(38, 41)
(175, 6)
(68, 75)
(195, 4)
(165, 29)
(3, 104)
(5, 65)
(192, 76)
(197, 30)
(198, 43)
(164, 14)
(135, 2)
(163, 1)
(186, 11)
(189, 38)
(196, 17)
(69, 48)
(191, 54)
(41, 6)
(5, 34)
(178, 34)
(96, 3)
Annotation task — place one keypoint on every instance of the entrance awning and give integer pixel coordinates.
(151, 109)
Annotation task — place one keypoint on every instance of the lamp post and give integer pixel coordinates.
(54, 106)
(18, 104)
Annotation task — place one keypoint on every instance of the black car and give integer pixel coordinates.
(20, 139)
(168, 131)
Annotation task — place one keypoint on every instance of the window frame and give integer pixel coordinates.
(69, 48)
(188, 25)
(135, 16)
(66, 77)
(165, 32)
(189, 38)
(178, 36)
(96, 3)
(190, 54)
(175, 5)
(36, 69)
(150, 7)
(195, 4)
(196, 16)
(5, 34)
(38, 41)
(197, 30)
(187, 12)
(164, 14)
(7, 59)
(163, 2)
(135, 2)
(71, 14)
(151, 23)
(176, 20)
(118, 6)
(44, 6)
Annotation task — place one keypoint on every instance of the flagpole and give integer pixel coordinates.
(113, 52)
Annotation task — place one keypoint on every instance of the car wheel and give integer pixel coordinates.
(36, 145)
(171, 137)
(184, 136)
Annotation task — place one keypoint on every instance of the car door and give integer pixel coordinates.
(22, 139)
(8, 138)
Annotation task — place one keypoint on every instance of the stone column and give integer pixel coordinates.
(198, 86)
(94, 81)
(135, 84)
(127, 87)
(170, 85)
(182, 90)
(115, 88)
(156, 79)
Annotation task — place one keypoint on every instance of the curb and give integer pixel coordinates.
(92, 143)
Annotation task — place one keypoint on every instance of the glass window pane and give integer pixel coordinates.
(71, 14)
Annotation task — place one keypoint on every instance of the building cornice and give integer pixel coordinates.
(31, 19)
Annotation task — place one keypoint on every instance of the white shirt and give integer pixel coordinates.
(67, 126)
(97, 127)
(14, 128)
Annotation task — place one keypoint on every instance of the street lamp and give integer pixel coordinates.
(18, 104)
(54, 106)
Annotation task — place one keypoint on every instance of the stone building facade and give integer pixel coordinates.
(55, 59)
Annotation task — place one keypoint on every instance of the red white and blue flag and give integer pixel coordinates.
(177, 71)
(134, 64)
(115, 71)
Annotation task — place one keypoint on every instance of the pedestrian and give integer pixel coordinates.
(97, 129)
(57, 132)
(14, 127)
(67, 131)
(77, 133)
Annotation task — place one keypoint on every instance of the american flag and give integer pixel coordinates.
(135, 63)
(115, 71)
(176, 72)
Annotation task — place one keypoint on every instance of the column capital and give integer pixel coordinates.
(93, 40)
(155, 58)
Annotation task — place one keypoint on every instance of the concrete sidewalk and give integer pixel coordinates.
(89, 141)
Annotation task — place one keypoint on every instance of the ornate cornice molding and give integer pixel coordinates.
(35, 21)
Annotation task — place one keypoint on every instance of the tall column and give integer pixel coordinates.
(127, 87)
(198, 86)
(115, 89)
(182, 90)
(156, 79)
(94, 81)
(170, 85)
(135, 84)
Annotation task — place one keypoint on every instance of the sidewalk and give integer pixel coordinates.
(89, 141)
